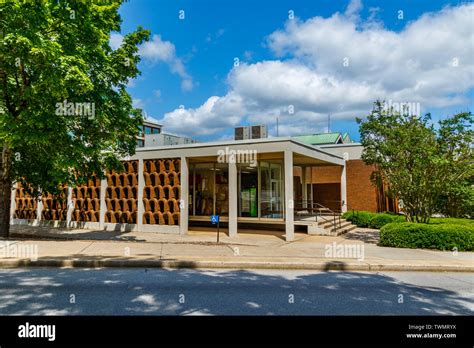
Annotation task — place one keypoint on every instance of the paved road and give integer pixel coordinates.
(39, 291)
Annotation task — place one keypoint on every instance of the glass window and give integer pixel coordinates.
(147, 130)
(248, 189)
(204, 189)
(271, 190)
(222, 189)
(209, 189)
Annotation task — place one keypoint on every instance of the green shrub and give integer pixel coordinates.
(379, 220)
(443, 236)
(456, 221)
(359, 218)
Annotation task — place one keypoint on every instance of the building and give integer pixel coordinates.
(268, 183)
(152, 135)
(164, 139)
(325, 138)
(148, 128)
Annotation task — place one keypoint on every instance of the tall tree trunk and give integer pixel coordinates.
(5, 191)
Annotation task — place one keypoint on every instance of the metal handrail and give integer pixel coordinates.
(336, 223)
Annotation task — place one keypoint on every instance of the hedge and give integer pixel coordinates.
(380, 220)
(359, 218)
(372, 220)
(443, 236)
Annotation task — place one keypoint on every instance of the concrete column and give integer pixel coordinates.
(70, 207)
(39, 207)
(343, 188)
(141, 186)
(303, 187)
(233, 197)
(289, 201)
(103, 206)
(183, 203)
(13, 202)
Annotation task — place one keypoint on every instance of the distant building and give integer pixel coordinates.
(325, 138)
(147, 129)
(152, 135)
(164, 139)
(251, 132)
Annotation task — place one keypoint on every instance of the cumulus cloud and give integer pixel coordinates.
(115, 40)
(337, 66)
(156, 51)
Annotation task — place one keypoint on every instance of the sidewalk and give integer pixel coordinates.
(40, 246)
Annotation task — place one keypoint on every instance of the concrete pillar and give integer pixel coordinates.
(289, 201)
(303, 187)
(141, 186)
(13, 202)
(233, 197)
(70, 207)
(183, 203)
(343, 188)
(39, 207)
(103, 206)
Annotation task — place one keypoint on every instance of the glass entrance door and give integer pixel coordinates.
(271, 190)
(248, 191)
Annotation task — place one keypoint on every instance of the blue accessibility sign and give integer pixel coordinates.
(214, 219)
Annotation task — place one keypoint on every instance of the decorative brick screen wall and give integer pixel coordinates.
(122, 195)
(55, 207)
(86, 200)
(26, 205)
(161, 194)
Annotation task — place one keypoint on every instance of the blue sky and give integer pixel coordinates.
(332, 57)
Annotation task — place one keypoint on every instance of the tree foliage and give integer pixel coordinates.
(419, 161)
(55, 53)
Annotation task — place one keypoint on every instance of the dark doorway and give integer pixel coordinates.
(328, 195)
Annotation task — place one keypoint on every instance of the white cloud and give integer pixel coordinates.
(160, 51)
(138, 103)
(353, 9)
(115, 40)
(429, 61)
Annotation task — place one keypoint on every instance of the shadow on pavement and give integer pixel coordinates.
(115, 291)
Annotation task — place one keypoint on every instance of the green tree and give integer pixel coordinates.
(55, 54)
(419, 161)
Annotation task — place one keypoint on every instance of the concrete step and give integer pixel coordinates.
(328, 224)
(343, 230)
(342, 225)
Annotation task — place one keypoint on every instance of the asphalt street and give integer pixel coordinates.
(112, 291)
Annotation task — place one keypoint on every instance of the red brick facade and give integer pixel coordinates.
(361, 193)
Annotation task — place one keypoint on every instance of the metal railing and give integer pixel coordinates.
(316, 209)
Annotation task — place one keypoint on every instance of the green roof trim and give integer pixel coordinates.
(319, 139)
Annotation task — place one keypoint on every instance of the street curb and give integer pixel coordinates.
(196, 264)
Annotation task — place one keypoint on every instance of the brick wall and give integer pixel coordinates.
(361, 194)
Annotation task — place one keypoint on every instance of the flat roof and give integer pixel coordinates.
(264, 146)
(151, 123)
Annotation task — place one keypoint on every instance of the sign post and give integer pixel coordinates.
(215, 221)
